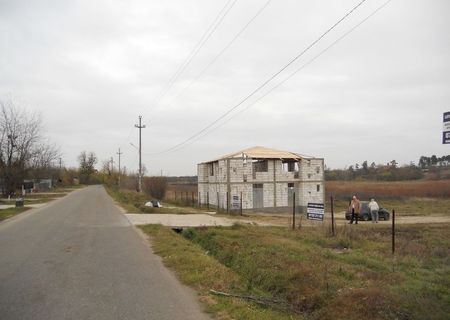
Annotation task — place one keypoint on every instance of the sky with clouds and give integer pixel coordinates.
(92, 67)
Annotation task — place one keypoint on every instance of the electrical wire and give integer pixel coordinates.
(173, 148)
(225, 48)
(206, 35)
(297, 70)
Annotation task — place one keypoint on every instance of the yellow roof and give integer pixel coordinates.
(259, 152)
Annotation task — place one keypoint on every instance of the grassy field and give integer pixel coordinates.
(7, 213)
(305, 274)
(389, 190)
(133, 202)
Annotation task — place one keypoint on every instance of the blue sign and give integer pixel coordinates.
(446, 128)
(315, 211)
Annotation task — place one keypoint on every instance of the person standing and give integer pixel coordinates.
(354, 208)
(374, 207)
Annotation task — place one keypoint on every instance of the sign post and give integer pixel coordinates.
(446, 128)
(315, 211)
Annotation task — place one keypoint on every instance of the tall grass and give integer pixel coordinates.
(347, 277)
(388, 190)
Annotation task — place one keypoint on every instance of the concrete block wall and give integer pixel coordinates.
(247, 194)
(311, 174)
(262, 176)
(282, 175)
(282, 195)
(308, 193)
(202, 172)
(312, 170)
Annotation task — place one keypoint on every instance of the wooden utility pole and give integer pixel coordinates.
(140, 127)
(112, 165)
(120, 172)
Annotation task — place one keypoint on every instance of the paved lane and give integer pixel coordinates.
(79, 258)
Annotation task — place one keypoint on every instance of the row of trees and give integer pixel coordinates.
(24, 151)
(433, 161)
(388, 172)
(154, 187)
(391, 171)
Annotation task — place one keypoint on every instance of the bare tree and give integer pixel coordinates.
(155, 187)
(21, 145)
(87, 166)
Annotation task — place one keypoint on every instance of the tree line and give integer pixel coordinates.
(154, 187)
(434, 161)
(433, 166)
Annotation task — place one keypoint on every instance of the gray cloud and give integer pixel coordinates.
(92, 67)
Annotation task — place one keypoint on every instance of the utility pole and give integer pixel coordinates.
(140, 127)
(60, 163)
(119, 153)
(112, 165)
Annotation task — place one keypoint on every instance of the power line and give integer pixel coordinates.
(206, 35)
(298, 70)
(264, 83)
(225, 48)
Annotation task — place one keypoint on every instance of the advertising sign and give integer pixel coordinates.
(315, 211)
(235, 203)
(446, 128)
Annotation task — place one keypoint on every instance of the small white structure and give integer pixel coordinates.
(261, 179)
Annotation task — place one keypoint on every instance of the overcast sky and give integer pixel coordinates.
(91, 67)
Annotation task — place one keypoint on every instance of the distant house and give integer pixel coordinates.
(36, 185)
(262, 179)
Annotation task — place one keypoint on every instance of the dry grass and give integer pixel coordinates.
(389, 190)
(319, 277)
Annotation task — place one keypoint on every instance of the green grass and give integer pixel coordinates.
(319, 277)
(7, 213)
(197, 268)
(133, 202)
(410, 207)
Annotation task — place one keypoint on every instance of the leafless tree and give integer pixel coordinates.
(21, 145)
(155, 187)
(87, 166)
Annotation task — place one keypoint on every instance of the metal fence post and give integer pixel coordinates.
(333, 232)
(393, 231)
(241, 203)
(293, 212)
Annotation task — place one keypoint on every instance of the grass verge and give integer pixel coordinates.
(7, 213)
(133, 202)
(196, 268)
(319, 277)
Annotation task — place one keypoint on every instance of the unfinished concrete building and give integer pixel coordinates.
(261, 179)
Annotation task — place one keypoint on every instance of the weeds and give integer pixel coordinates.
(344, 277)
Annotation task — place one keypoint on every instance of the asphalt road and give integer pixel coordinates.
(79, 258)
